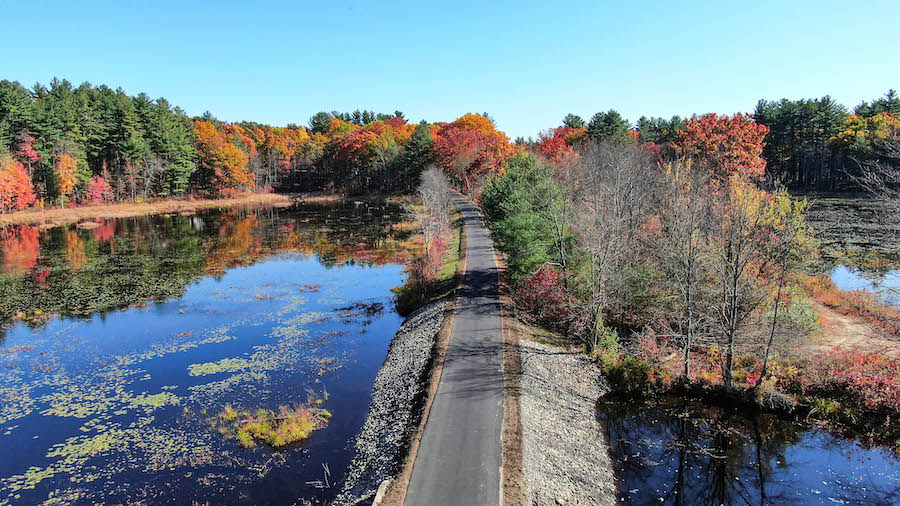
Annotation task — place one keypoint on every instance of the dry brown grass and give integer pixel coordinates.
(129, 209)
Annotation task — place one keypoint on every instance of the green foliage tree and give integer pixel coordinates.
(319, 122)
(573, 121)
(608, 126)
(796, 150)
(529, 215)
(890, 103)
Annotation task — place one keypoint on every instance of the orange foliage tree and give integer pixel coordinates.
(66, 172)
(726, 145)
(16, 191)
(220, 160)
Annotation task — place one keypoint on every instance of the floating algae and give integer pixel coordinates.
(224, 365)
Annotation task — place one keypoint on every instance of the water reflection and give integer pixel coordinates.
(118, 263)
(884, 282)
(678, 452)
(249, 308)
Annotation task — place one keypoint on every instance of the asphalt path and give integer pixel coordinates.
(458, 460)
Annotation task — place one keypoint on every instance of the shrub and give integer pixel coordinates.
(542, 298)
(276, 429)
(869, 380)
(630, 376)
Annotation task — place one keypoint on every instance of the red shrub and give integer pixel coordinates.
(542, 297)
(866, 379)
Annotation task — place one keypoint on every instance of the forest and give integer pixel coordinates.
(63, 145)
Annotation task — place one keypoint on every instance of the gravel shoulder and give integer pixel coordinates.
(396, 407)
(566, 455)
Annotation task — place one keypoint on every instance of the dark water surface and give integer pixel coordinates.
(122, 342)
(678, 452)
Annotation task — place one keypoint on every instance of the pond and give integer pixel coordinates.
(883, 282)
(683, 452)
(123, 342)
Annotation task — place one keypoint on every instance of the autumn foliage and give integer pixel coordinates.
(98, 191)
(471, 150)
(16, 191)
(221, 158)
(558, 145)
(728, 145)
(66, 169)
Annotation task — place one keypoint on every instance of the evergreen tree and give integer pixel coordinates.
(573, 121)
(608, 126)
(319, 122)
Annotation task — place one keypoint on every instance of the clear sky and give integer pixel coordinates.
(526, 63)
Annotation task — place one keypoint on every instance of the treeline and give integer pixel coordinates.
(810, 144)
(61, 144)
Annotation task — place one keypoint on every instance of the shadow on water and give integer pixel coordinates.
(682, 452)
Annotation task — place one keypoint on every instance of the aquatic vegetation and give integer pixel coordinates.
(123, 396)
(224, 365)
(276, 429)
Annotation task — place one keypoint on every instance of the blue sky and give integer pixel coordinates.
(527, 64)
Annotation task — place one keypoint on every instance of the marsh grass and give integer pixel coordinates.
(277, 429)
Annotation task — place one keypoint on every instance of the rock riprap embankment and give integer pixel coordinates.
(396, 408)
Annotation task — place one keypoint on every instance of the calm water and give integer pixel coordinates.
(678, 452)
(885, 283)
(137, 332)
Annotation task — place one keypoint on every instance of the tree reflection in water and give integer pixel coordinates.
(677, 452)
(122, 262)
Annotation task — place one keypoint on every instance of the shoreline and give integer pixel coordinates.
(386, 448)
(398, 397)
(64, 216)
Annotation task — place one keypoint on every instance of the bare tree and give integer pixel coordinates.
(434, 219)
(613, 196)
(882, 176)
(685, 229)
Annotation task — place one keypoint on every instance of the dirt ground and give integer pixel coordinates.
(850, 333)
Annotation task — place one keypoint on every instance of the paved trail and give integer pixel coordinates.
(458, 461)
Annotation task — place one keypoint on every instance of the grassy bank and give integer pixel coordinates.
(129, 209)
(421, 289)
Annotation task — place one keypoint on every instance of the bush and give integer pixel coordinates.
(630, 376)
(542, 298)
(868, 380)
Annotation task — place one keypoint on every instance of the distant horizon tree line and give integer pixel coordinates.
(62, 144)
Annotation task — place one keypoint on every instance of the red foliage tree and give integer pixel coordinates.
(98, 191)
(16, 191)
(727, 145)
(556, 146)
(25, 151)
(471, 150)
